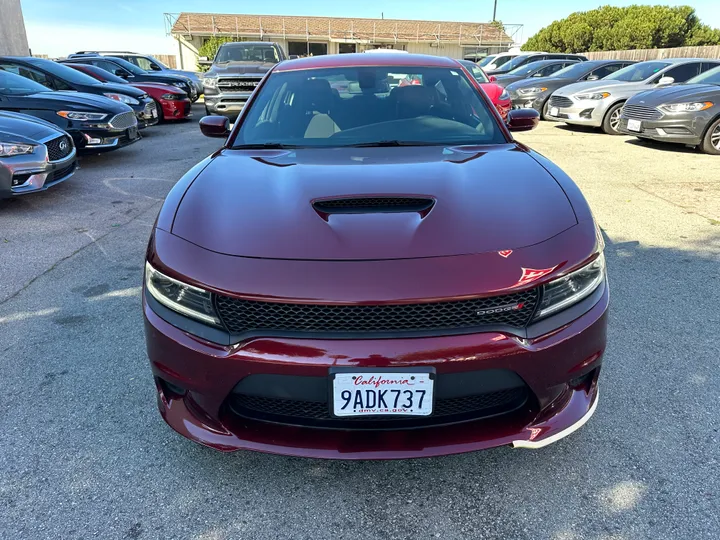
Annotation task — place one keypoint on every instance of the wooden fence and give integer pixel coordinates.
(656, 54)
(168, 59)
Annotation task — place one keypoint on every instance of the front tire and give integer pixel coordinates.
(611, 122)
(545, 110)
(711, 141)
(161, 114)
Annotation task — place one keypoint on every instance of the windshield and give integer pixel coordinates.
(575, 71)
(475, 71)
(356, 106)
(63, 72)
(515, 62)
(485, 61)
(709, 77)
(528, 68)
(637, 72)
(15, 85)
(102, 75)
(132, 68)
(239, 52)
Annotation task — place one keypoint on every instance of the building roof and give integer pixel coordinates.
(360, 59)
(351, 29)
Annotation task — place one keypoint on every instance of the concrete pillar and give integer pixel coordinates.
(13, 39)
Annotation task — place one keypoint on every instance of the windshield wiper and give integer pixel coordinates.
(264, 146)
(380, 144)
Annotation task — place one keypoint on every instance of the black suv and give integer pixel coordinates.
(534, 57)
(58, 77)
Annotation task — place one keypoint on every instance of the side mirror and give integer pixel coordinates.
(155, 67)
(203, 58)
(493, 78)
(523, 119)
(121, 73)
(215, 126)
(592, 78)
(665, 81)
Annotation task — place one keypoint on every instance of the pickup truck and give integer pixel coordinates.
(236, 71)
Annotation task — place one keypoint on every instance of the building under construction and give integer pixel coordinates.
(304, 36)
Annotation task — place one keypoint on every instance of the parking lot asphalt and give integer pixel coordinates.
(85, 454)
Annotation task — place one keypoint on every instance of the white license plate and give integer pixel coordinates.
(554, 111)
(635, 125)
(383, 393)
(153, 112)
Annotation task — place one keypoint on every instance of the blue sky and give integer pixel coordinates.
(59, 27)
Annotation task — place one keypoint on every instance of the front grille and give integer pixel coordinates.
(560, 102)
(59, 148)
(640, 112)
(250, 316)
(238, 85)
(123, 120)
(374, 204)
(62, 173)
(317, 413)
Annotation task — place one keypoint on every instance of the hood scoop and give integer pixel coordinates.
(373, 205)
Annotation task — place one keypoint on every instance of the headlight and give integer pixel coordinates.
(594, 96)
(173, 97)
(190, 301)
(686, 107)
(210, 82)
(571, 289)
(122, 97)
(82, 116)
(533, 90)
(15, 149)
(504, 96)
(179, 84)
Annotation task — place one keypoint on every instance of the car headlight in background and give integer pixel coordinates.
(123, 98)
(533, 90)
(686, 107)
(593, 95)
(210, 81)
(15, 149)
(173, 97)
(82, 116)
(182, 298)
(504, 96)
(571, 289)
(179, 84)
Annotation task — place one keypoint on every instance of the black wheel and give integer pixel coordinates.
(161, 115)
(611, 122)
(711, 141)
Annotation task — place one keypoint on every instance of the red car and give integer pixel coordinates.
(172, 103)
(374, 275)
(497, 94)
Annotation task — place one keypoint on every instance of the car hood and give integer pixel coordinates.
(125, 89)
(73, 101)
(601, 86)
(548, 82)
(493, 91)
(16, 127)
(260, 203)
(158, 87)
(677, 94)
(242, 68)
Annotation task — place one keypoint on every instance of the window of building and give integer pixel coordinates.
(345, 48)
(304, 48)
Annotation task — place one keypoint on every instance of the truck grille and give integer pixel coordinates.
(59, 148)
(123, 120)
(436, 318)
(238, 85)
(560, 102)
(640, 112)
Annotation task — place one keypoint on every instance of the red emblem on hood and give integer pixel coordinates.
(505, 253)
(531, 274)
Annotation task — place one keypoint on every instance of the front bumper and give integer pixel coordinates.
(31, 173)
(176, 110)
(532, 101)
(103, 139)
(581, 112)
(678, 129)
(228, 103)
(196, 379)
(146, 114)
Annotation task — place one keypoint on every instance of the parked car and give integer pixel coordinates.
(59, 77)
(95, 123)
(172, 103)
(497, 94)
(133, 74)
(541, 68)
(600, 103)
(34, 155)
(682, 113)
(494, 61)
(523, 59)
(534, 93)
(236, 71)
(279, 312)
(149, 63)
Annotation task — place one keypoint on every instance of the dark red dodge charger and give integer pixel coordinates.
(367, 270)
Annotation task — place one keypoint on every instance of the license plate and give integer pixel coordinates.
(387, 393)
(153, 113)
(634, 125)
(132, 133)
(554, 111)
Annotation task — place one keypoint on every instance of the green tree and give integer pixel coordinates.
(610, 28)
(210, 48)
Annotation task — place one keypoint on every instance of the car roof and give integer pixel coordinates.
(360, 59)
(679, 60)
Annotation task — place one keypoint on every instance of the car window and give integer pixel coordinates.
(684, 72)
(485, 61)
(239, 52)
(548, 70)
(517, 62)
(338, 107)
(142, 63)
(29, 73)
(477, 73)
(708, 77)
(528, 69)
(638, 72)
(708, 65)
(604, 71)
(12, 84)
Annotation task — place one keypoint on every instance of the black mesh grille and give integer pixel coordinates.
(318, 414)
(559, 101)
(62, 173)
(248, 316)
(57, 150)
(374, 204)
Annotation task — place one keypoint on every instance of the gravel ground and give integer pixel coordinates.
(84, 453)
